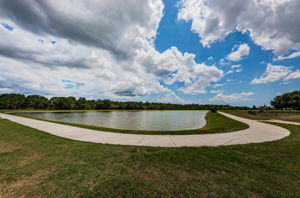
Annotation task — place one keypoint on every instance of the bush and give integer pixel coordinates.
(213, 110)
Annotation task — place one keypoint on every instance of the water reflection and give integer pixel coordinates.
(132, 120)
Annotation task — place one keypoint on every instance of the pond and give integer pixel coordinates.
(131, 120)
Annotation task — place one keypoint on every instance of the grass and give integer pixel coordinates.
(216, 123)
(279, 115)
(37, 164)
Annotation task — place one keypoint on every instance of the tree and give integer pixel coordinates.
(3, 103)
(92, 104)
(289, 100)
(103, 104)
(63, 103)
(19, 101)
(13, 101)
(36, 102)
(82, 104)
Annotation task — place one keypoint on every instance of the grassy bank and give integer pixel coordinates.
(216, 123)
(279, 115)
(36, 164)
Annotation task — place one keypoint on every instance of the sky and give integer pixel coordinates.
(187, 51)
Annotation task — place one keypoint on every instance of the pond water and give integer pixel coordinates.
(132, 120)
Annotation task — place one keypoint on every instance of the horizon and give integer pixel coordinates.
(182, 52)
(144, 102)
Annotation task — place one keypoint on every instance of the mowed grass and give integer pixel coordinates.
(216, 123)
(278, 115)
(37, 164)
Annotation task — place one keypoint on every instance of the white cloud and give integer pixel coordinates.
(108, 46)
(195, 77)
(293, 75)
(96, 44)
(217, 85)
(6, 90)
(293, 55)
(235, 66)
(273, 73)
(238, 53)
(236, 97)
(116, 26)
(272, 24)
(215, 91)
(170, 97)
(224, 62)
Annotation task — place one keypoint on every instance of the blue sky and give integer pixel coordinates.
(174, 32)
(187, 51)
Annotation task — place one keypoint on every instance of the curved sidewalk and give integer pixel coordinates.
(257, 132)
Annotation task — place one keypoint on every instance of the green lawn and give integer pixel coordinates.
(216, 123)
(279, 115)
(37, 164)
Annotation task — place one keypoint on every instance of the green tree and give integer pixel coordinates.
(13, 101)
(3, 103)
(36, 102)
(103, 104)
(289, 100)
(82, 104)
(63, 103)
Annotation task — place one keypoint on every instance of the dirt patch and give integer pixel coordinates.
(22, 161)
(149, 173)
(15, 188)
(28, 159)
(8, 147)
(184, 175)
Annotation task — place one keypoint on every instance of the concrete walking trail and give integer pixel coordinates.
(256, 133)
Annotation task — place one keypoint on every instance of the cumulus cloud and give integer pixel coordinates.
(239, 52)
(272, 24)
(273, 73)
(236, 97)
(108, 47)
(196, 77)
(171, 97)
(116, 26)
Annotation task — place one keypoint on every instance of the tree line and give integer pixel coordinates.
(20, 101)
(289, 100)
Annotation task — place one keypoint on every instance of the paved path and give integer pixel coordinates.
(283, 122)
(257, 132)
